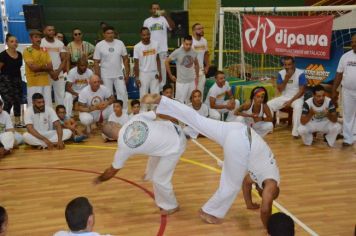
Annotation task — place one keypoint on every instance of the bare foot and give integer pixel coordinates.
(151, 99)
(210, 219)
(253, 206)
(169, 212)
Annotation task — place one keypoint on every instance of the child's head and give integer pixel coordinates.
(259, 95)
(167, 91)
(195, 98)
(61, 112)
(117, 105)
(135, 106)
(3, 221)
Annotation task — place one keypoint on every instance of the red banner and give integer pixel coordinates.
(299, 36)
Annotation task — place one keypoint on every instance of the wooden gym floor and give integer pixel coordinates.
(317, 186)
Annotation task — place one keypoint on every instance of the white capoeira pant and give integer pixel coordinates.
(277, 103)
(7, 139)
(243, 148)
(59, 89)
(88, 118)
(51, 135)
(349, 114)
(162, 58)
(68, 103)
(120, 88)
(202, 80)
(44, 90)
(184, 90)
(149, 84)
(261, 127)
(327, 127)
(217, 114)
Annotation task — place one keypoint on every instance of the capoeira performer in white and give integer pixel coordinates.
(147, 66)
(244, 150)
(143, 135)
(255, 112)
(319, 115)
(291, 83)
(346, 75)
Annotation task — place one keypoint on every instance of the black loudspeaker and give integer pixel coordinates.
(181, 21)
(34, 16)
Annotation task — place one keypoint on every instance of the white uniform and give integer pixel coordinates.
(243, 148)
(158, 27)
(7, 138)
(147, 57)
(261, 127)
(90, 98)
(110, 55)
(347, 66)
(319, 122)
(54, 49)
(298, 79)
(219, 94)
(203, 111)
(43, 123)
(143, 135)
(79, 82)
(68, 233)
(201, 47)
(121, 120)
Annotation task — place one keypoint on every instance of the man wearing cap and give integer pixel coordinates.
(37, 65)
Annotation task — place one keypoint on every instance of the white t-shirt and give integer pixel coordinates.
(90, 98)
(292, 88)
(218, 93)
(320, 114)
(203, 111)
(43, 121)
(143, 135)
(54, 49)
(110, 55)
(347, 66)
(158, 27)
(147, 56)
(68, 233)
(121, 120)
(79, 81)
(200, 47)
(5, 122)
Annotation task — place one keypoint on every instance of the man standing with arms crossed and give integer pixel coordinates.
(200, 46)
(158, 24)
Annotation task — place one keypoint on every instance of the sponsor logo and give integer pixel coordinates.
(149, 52)
(136, 134)
(316, 73)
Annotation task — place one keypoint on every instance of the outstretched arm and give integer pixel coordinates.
(270, 192)
(246, 189)
(108, 174)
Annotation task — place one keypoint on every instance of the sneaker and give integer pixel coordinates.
(78, 139)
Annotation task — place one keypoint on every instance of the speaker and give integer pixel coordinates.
(181, 21)
(34, 16)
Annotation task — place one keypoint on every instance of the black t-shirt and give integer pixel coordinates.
(11, 66)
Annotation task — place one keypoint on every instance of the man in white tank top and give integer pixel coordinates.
(291, 84)
(319, 115)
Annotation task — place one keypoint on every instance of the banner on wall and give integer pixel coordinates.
(321, 71)
(298, 36)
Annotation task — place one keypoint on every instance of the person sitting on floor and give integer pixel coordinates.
(135, 108)
(69, 123)
(255, 113)
(40, 121)
(215, 100)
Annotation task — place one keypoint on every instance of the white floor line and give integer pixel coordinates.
(276, 204)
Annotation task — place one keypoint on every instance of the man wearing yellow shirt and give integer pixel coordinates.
(38, 65)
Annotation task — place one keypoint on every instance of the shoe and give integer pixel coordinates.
(78, 139)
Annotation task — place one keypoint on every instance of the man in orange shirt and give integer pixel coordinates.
(38, 65)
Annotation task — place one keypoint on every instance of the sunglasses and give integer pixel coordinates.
(76, 34)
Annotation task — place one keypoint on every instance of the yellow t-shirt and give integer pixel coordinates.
(39, 58)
